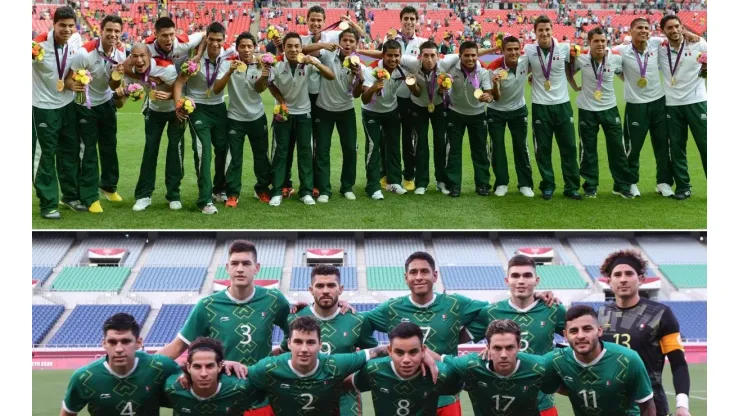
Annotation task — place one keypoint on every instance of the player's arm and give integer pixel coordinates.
(314, 49)
(356, 72)
(670, 345)
(366, 338)
(224, 75)
(196, 325)
(640, 387)
(475, 330)
(357, 28)
(78, 62)
(370, 53)
(647, 408)
(378, 317)
(496, 82)
(275, 91)
(324, 70)
(359, 381)
(570, 72)
(182, 79)
(73, 402)
(448, 380)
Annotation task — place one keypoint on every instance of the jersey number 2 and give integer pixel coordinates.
(310, 400)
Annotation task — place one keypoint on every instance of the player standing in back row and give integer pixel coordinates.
(648, 327)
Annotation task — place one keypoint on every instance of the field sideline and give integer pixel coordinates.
(431, 211)
(49, 387)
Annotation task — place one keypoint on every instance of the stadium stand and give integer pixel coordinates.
(44, 318)
(386, 278)
(300, 279)
(473, 277)
(345, 243)
(91, 279)
(167, 325)
(673, 249)
(170, 251)
(82, 329)
(454, 251)
(134, 245)
(387, 251)
(683, 276)
(49, 250)
(593, 250)
(560, 277)
(39, 274)
(512, 244)
(170, 279)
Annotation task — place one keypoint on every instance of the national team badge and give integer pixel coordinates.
(525, 388)
(264, 314)
(345, 334)
(444, 316)
(147, 388)
(642, 326)
(542, 324)
(608, 382)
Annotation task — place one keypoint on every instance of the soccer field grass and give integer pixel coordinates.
(49, 388)
(431, 211)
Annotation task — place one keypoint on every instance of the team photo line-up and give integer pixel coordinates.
(182, 81)
(612, 365)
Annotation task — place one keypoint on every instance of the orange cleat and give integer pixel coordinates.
(231, 202)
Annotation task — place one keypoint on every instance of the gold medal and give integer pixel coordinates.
(410, 80)
(642, 82)
(503, 74)
(343, 26)
(208, 92)
(241, 67)
(116, 76)
(477, 93)
(60, 85)
(430, 107)
(673, 82)
(598, 94)
(354, 60)
(548, 85)
(153, 95)
(300, 58)
(393, 33)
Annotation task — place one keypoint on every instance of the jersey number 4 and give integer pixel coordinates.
(128, 410)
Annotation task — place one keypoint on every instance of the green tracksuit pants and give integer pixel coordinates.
(298, 130)
(208, 128)
(420, 120)
(382, 130)
(55, 151)
(154, 125)
(323, 127)
(478, 137)
(256, 131)
(408, 145)
(97, 127)
(288, 168)
(558, 120)
(616, 152)
(638, 120)
(680, 119)
(517, 122)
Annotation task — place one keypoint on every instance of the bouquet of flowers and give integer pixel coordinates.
(352, 59)
(575, 52)
(135, 91)
(37, 52)
(702, 59)
(444, 81)
(381, 74)
(280, 113)
(500, 39)
(268, 59)
(83, 77)
(187, 104)
(190, 67)
(272, 32)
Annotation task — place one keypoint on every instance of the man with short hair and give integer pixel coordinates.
(686, 100)
(600, 377)
(551, 110)
(98, 124)
(55, 142)
(114, 384)
(597, 106)
(650, 328)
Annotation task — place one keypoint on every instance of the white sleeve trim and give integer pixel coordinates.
(467, 331)
(353, 382)
(442, 358)
(185, 340)
(367, 355)
(66, 409)
(648, 397)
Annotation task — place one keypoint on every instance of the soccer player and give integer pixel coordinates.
(601, 377)
(340, 334)
(381, 121)
(508, 76)
(302, 382)
(537, 321)
(166, 44)
(597, 106)
(551, 110)
(396, 382)
(508, 382)
(291, 80)
(126, 381)
(470, 92)
(208, 120)
(686, 100)
(245, 116)
(210, 391)
(441, 316)
(55, 142)
(97, 125)
(647, 327)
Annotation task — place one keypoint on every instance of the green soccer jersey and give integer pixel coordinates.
(516, 394)
(232, 397)
(440, 320)
(538, 323)
(312, 394)
(611, 385)
(341, 334)
(395, 395)
(106, 393)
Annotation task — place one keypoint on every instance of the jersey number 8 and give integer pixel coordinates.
(403, 408)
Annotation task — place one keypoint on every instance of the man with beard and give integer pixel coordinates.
(340, 334)
(647, 327)
(55, 142)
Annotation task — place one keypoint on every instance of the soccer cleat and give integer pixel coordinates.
(350, 195)
(482, 190)
(573, 195)
(383, 182)
(377, 195)
(209, 209)
(76, 205)
(52, 215)
(547, 195)
(501, 190)
(664, 189)
(323, 199)
(288, 192)
(634, 190)
(420, 191)
(408, 185)
(625, 195)
(219, 197)
(682, 195)
(95, 208)
(315, 193)
(175, 205)
(276, 200)
(590, 194)
(441, 187)
(232, 202)
(454, 192)
(395, 188)
(141, 204)
(527, 191)
(112, 196)
(308, 200)
(262, 196)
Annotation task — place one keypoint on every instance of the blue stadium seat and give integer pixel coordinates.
(170, 279)
(473, 277)
(40, 273)
(594, 272)
(168, 324)
(84, 326)
(44, 317)
(301, 278)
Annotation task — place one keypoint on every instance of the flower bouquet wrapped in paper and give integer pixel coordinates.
(190, 67)
(272, 32)
(280, 113)
(37, 52)
(83, 77)
(381, 74)
(135, 91)
(187, 104)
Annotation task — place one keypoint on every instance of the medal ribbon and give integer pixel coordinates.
(546, 71)
(472, 76)
(356, 80)
(60, 69)
(598, 73)
(406, 39)
(331, 26)
(211, 79)
(430, 84)
(106, 57)
(678, 57)
(643, 67)
(162, 54)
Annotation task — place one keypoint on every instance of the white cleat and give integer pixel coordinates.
(175, 205)
(395, 188)
(420, 191)
(441, 187)
(377, 195)
(209, 209)
(501, 190)
(276, 200)
(219, 197)
(634, 190)
(323, 199)
(664, 189)
(142, 204)
(527, 191)
(349, 195)
(308, 200)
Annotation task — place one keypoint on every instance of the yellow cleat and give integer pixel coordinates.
(383, 182)
(112, 196)
(408, 185)
(95, 208)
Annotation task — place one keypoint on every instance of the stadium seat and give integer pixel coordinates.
(386, 278)
(593, 250)
(560, 277)
(170, 251)
(134, 245)
(345, 243)
(686, 276)
(84, 326)
(673, 249)
(91, 279)
(40, 274)
(391, 251)
(457, 251)
(43, 319)
(167, 325)
(473, 277)
(300, 279)
(49, 249)
(170, 279)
